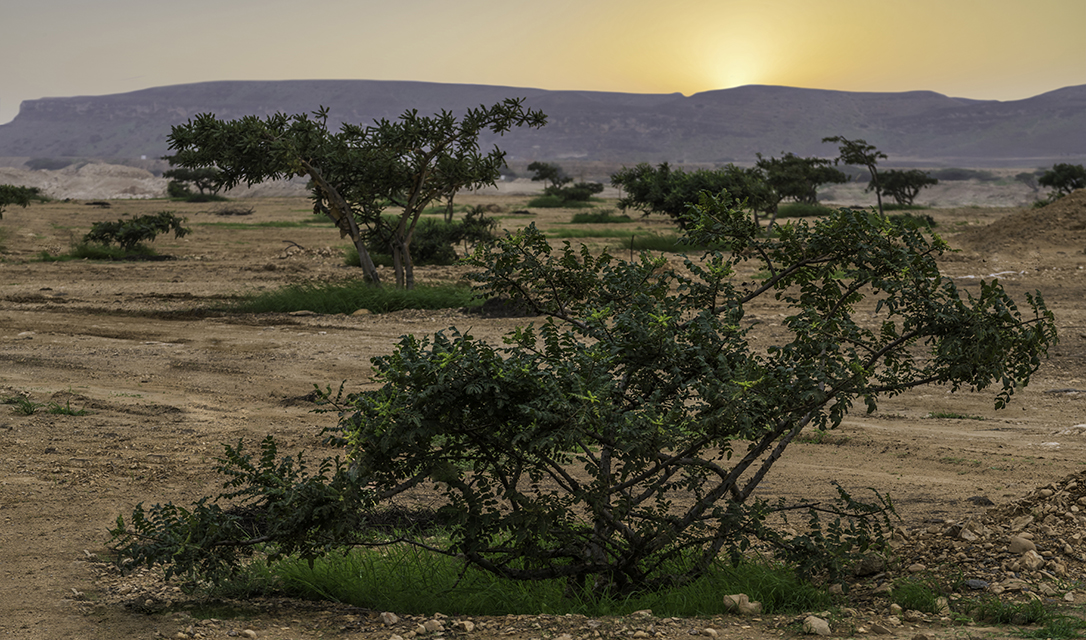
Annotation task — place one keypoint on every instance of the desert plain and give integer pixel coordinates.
(165, 384)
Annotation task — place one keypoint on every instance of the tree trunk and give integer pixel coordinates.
(340, 213)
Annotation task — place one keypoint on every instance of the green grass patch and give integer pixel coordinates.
(554, 202)
(271, 224)
(606, 216)
(951, 415)
(348, 297)
(410, 580)
(94, 251)
(568, 232)
(910, 221)
(801, 210)
(668, 243)
(918, 594)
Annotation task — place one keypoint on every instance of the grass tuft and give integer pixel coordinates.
(411, 580)
(348, 297)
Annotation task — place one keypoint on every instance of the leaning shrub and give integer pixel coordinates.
(617, 445)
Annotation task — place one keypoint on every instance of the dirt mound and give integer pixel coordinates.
(1062, 223)
(91, 181)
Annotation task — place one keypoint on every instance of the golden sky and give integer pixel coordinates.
(983, 49)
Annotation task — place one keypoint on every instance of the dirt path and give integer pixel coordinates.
(163, 391)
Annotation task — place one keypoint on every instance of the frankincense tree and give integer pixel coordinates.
(617, 443)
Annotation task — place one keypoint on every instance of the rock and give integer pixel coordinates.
(883, 588)
(1032, 561)
(740, 603)
(815, 626)
(869, 565)
(836, 589)
(916, 568)
(248, 633)
(881, 630)
(895, 609)
(942, 606)
(388, 618)
(709, 631)
(467, 626)
(361, 312)
(975, 584)
(912, 615)
(432, 626)
(1018, 544)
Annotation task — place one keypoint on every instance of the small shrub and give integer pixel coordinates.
(599, 217)
(954, 174)
(910, 221)
(130, 233)
(233, 210)
(801, 210)
(555, 202)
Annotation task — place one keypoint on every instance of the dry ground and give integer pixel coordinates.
(163, 391)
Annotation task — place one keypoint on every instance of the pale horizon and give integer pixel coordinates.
(998, 50)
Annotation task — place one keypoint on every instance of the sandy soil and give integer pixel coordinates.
(164, 387)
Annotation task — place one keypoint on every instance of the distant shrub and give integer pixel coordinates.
(910, 221)
(599, 217)
(128, 234)
(954, 174)
(800, 210)
(555, 202)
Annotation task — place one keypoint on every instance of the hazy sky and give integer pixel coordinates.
(986, 49)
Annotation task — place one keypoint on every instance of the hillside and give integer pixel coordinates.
(731, 125)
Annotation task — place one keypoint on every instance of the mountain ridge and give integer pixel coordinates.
(712, 127)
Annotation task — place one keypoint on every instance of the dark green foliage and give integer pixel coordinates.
(803, 211)
(617, 445)
(911, 221)
(357, 172)
(599, 217)
(791, 176)
(127, 234)
(672, 191)
(552, 173)
(205, 179)
(352, 295)
(1064, 178)
(20, 196)
(274, 505)
(548, 172)
(953, 174)
(903, 186)
(435, 240)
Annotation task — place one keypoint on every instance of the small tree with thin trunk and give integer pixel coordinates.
(859, 153)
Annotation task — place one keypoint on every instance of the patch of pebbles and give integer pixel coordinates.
(1034, 546)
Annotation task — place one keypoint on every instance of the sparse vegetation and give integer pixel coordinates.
(129, 234)
(348, 297)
